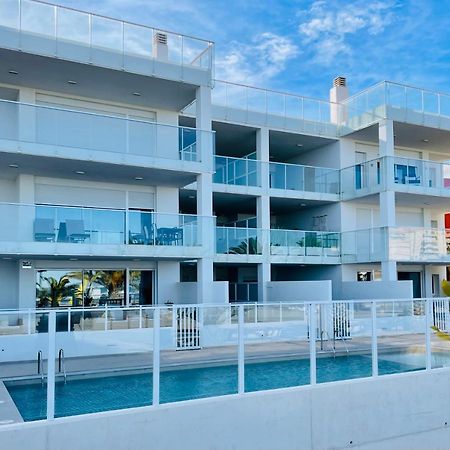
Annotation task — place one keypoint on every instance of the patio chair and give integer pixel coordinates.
(44, 230)
(170, 236)
(75, 231)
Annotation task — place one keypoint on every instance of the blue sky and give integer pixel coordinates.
(300, 46)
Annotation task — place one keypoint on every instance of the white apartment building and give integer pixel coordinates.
(129, 176)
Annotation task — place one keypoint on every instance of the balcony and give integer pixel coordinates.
(291, 178)
(402, 244)
(414, 176)
(40, 230)
(237, 241)
(37, 28)
(45, 131)
(237, 171)
(398, 102)
(412, 244)
(310, 246)
(280, 245)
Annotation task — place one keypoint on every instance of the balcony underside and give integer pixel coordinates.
(52, 74)
(163, 172)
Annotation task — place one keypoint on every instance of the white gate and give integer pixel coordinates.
(440, 314)
(188, 327)
(341, 320)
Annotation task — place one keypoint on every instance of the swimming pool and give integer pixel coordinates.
(118, 391)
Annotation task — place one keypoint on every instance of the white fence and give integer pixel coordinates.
(101, 339)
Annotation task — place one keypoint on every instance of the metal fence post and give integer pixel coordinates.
(241, 351)
(312, 344)
(374, 341)
(51, 365)
(428, 304)
(156, 354)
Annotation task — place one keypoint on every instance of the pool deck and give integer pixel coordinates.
(265, 351)
(8, 412)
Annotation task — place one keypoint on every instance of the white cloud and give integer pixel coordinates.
(258, 61)
(327, 29)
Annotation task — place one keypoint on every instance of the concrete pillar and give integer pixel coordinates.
(386, 151)
(205, 147)
(263, 210)
(264, 277)
(387, 220)
(387, 197)
(168, 277)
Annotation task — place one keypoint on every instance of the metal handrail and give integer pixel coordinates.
(62, 364)
(40, 364)
(333, 348)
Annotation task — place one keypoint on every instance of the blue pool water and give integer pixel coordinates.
(113, 391)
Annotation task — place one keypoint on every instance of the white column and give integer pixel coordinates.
(387, 198)
(263, 211)
(264, 277)
(386, 149)
(205, 147)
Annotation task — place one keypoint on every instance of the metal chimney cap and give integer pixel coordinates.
(340, 81)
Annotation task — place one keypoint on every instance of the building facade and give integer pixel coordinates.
(130, 176)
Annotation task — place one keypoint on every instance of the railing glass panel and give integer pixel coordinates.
(237, 171)
(56, 224)
(57, 31)
(238, 241)
(304, 178)
(72, 129)
(304, 243)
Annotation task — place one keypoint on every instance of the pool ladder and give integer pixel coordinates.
(333, 348)
(62, 364)
(40, 366)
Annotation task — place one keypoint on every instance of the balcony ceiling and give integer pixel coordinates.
(285, 146)
(100, 172)
(412, 136)
(288, 205)
(52, 74)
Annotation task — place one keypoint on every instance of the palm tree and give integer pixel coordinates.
(55, 291)
(247, 247)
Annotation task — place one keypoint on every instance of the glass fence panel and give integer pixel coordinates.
(343, 341)
(401, 336)
(440, 328)
(237, 171)
(24, 365)
(209, 371)
(276, 347)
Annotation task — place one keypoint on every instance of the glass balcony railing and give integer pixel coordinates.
(367, 245)
(421, 173)
(238, 241)
(304, 243)
(419, 244)
(56, 31)
(258, 106)
(303, 178)
(70, 129)
(237, 171)
(396, 173)
(363, 179)
(72, 225)
(398, 102)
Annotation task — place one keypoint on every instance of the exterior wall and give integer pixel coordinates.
(412, 413)
(299, 291)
